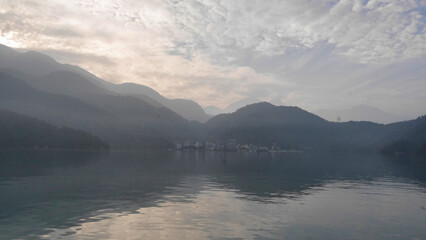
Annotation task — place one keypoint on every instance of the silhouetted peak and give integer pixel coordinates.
(260, 105)
(266, 114)
(263, 107)
(241, 103)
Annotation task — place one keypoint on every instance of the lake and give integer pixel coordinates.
(211, 195)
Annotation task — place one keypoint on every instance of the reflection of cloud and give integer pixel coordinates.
(217, 52)
(209, 214)
(333, 210)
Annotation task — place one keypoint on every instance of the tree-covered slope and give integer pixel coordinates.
(22, 132)
(409, 137)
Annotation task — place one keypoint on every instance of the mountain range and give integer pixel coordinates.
(360, 113)
(43, 71)
(356, 113)
(130, 115)
(292, 127)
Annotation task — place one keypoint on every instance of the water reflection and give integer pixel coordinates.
(264, 176)
(168, 195)
(316, 217)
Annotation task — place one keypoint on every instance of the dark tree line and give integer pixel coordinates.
(21, 132)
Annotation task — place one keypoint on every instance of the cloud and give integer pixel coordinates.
(370, 32)
(299, 52)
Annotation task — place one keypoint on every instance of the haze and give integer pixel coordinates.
(313, 54)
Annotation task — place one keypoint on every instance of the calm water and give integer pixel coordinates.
(168, 195)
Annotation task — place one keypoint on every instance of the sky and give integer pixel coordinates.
(310, 53)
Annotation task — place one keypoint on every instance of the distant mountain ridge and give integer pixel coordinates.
(70, 83)
(360, 113)
(51, 72)
(19, 96)
(116, 119)
(267, 124)
(265, 114)
(184, 107)
(213, 110)
(135, 116)
(292, 127)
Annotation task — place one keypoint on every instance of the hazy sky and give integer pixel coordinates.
(310, 53)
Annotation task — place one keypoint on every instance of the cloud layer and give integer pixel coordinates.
(364, 31)
(315, 54)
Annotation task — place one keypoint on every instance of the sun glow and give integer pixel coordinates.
(8, 40)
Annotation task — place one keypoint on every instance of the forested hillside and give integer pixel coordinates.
(21, 132)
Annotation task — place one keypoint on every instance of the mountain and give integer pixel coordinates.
(360, 113)
(36, 64)
(66, 95)
(45, 68)
(239, 104)
(22, 132)
(59, 110)
(293, 127)
(74, 85)
(123, 121)
(213, 110)
(60, 82)
(18, 96)
(186, 108)
(135, 116)
(408, 137)
(31, 62)
(266, 124)
(265, 114)
(69, 83)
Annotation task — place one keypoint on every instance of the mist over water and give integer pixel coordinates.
(211, 195)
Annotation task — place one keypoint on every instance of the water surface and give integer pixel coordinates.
(190, 195)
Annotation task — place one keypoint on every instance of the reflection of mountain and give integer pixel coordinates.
(74, 186)
(264, 176)
(67, 188)
(32, 163)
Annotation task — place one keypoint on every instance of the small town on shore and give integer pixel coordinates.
(230, 145)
